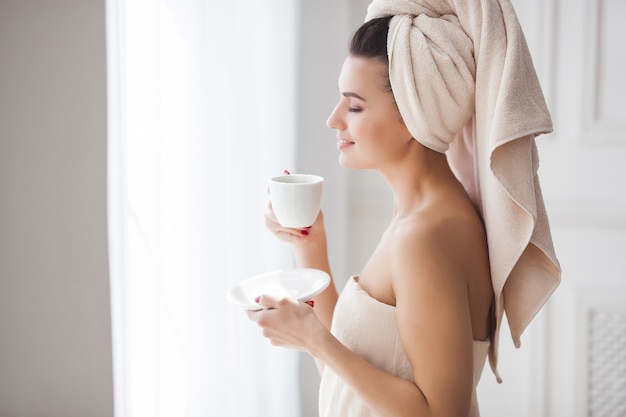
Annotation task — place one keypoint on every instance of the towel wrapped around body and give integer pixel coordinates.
(465, 84)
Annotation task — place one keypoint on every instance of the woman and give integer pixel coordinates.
(410, 334)
(431, 263)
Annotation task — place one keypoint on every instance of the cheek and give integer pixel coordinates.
(369, 130)
(403, 132)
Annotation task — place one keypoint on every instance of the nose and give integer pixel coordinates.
(335, 120)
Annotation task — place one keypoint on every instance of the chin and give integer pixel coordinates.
(345, 162)
(351, 164)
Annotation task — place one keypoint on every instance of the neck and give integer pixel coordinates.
(420, 174)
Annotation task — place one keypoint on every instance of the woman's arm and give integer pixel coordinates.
(429, 278)
(311, 251)
(432, 310)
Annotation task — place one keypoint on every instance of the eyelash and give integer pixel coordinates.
(354, 109)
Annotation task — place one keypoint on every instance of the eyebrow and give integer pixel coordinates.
(351, 94)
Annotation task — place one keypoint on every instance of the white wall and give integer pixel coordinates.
(55, 340)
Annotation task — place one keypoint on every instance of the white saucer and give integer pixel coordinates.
(299, 283)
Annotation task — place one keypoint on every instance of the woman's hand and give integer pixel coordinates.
(297, 237)
(288, 323)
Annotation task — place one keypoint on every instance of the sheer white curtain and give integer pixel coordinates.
(202, 109)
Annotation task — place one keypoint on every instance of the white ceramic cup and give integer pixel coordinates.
(296, 199)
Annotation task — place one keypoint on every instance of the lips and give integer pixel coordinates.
(343, 143)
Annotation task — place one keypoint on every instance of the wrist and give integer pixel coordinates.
(311, 251)
(319, 342)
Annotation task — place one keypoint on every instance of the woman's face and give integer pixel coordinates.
(370, 130)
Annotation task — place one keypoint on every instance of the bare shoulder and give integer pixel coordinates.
(448, 238)
(440, 258)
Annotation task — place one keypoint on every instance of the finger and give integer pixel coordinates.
(271, 302)
(253, 315)
(284, 233)
(269, 213)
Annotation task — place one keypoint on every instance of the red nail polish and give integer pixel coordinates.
(304, 232)
(256, 300)
(311, 303)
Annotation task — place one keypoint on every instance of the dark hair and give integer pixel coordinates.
(370, 41)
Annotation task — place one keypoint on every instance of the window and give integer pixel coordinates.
(201, 113)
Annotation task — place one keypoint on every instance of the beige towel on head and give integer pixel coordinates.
(465, 84)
